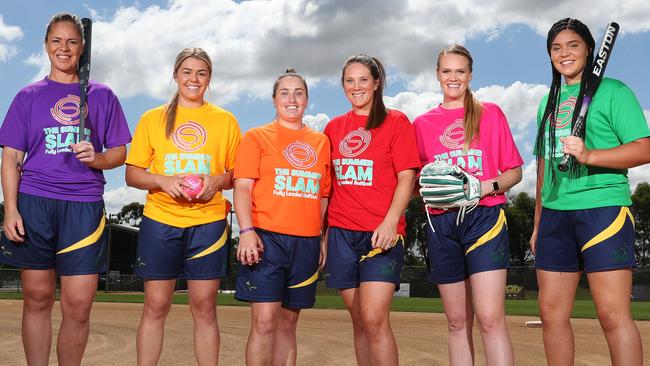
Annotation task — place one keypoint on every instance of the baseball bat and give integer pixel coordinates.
(84, 75)
(597, 71)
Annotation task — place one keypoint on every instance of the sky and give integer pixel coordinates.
(252, 42)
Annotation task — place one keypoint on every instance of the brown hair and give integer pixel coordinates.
(378, 111)
(65, 17)
(473, 109)
(290, 72)
(172, 107)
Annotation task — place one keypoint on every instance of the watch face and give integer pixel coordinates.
(495, 185)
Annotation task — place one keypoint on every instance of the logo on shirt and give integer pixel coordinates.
(564, 112)
(453, 137)
(190, 136)
(301, 155)
(355, 142)
(66, 110)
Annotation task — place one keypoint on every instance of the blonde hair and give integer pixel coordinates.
(172, 106)
(472, 106)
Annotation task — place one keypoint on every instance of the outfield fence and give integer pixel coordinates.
(521, 283)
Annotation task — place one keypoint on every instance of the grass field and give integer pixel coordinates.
(581, 309)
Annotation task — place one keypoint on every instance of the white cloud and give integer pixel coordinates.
(317, 122)
(117, 198)
(8, 34)
(413, 104)
(638, 175)
(528, 180)
(519, 102)
(252, 41)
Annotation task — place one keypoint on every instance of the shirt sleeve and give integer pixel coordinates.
(233, 144)
(404, 146)
(326, 180)
(628, 121)
(540, 114)
(141, 152)
(419, 139)
(117, 129)
(247, 162)
(14, 131)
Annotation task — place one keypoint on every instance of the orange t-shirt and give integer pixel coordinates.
(291, 169)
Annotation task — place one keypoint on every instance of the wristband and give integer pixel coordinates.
(245, 230)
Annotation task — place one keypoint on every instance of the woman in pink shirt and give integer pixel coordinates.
(469, 258)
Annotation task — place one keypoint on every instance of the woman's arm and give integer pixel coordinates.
(12, 164)
(250, 245)
(625, 156)
(385, 234)
(172, 185)
(538, 203)
(109, 159)
(505, 180)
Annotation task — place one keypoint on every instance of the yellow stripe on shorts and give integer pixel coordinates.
(376, 251)
(307, 282)
(611, 230)
(491, 234)
(89, 240)
(214, 247)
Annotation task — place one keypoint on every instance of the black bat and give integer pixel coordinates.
(597, 71)
(84, 75)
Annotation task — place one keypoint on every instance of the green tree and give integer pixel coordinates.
(641, 213)
(520, 215)
(131, 214)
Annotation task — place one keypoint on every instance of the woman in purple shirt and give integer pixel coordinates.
(53, 185)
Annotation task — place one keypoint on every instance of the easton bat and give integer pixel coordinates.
(84, 75)
(597, 71)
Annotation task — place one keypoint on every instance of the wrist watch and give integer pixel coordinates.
(495, 187)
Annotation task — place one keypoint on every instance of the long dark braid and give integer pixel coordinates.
(550, 113)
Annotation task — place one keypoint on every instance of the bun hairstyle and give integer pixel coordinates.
(552, 105)
(378, 111)
(473, 109)
(65, 17)
(290, 72)
(172, 107)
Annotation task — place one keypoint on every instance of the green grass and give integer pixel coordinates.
(581, 308)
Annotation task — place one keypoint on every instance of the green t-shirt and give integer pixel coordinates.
(615, 118)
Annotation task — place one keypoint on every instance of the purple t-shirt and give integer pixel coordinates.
(43, 120)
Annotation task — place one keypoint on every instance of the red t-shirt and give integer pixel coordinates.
(365, 166)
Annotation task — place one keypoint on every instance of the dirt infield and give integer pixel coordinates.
(324, 337)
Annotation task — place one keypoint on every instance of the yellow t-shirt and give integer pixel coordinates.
(204, 141)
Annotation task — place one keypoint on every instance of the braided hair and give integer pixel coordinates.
(550, 113)
(378, 111)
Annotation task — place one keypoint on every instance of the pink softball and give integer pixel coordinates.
(192, 185)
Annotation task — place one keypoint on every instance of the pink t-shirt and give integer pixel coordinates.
(365, 166)
(440, 135)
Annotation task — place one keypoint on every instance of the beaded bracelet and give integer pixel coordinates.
(245, 230)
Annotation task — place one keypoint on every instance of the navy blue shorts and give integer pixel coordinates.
(64, 235)
(287, 272)
(479, 243)
(593, 240)
(167, 252)
(352, 260)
